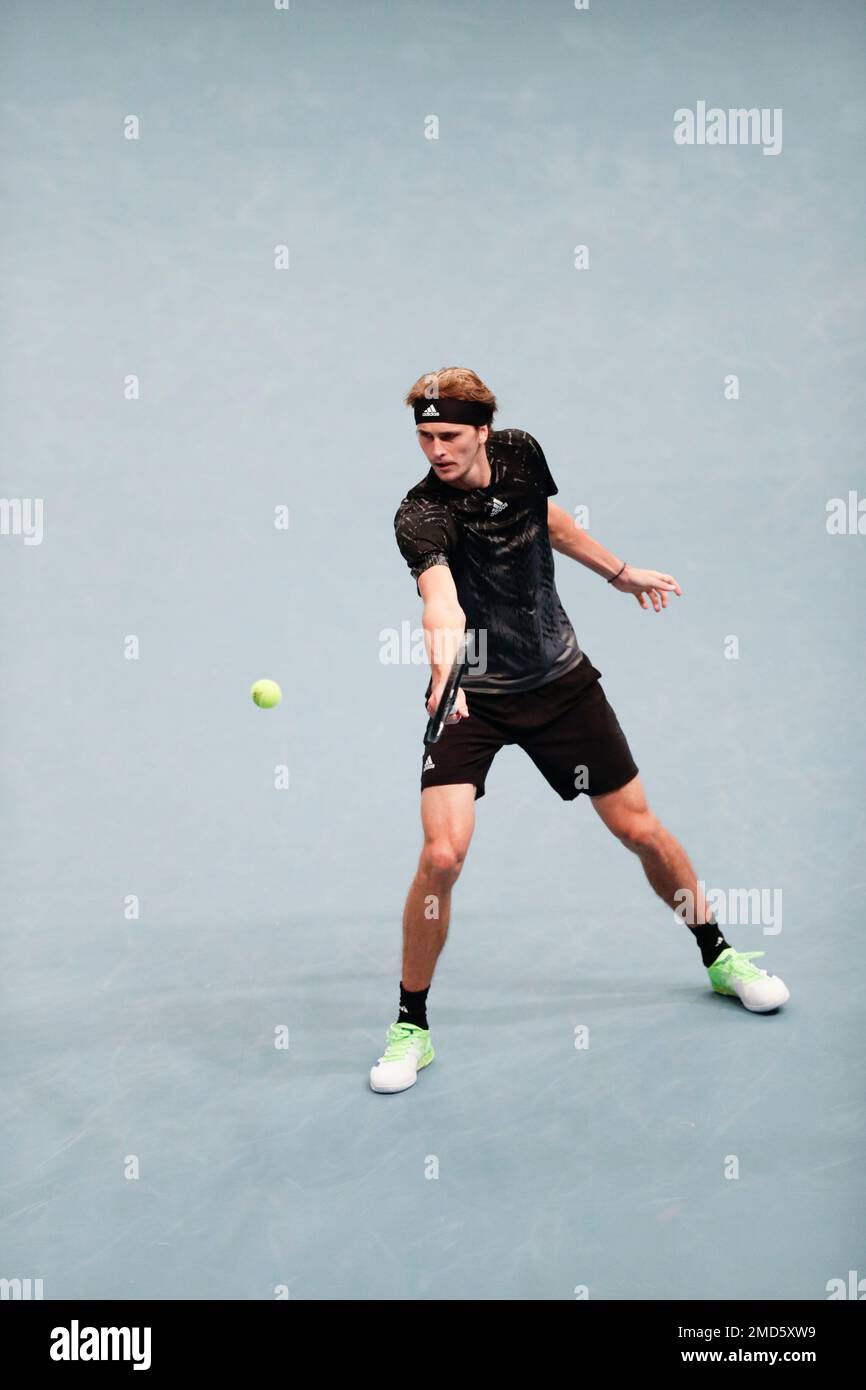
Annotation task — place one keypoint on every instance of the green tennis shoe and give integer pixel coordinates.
(408, 1050)
(733, 973)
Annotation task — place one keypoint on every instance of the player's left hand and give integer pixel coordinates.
(647, 582)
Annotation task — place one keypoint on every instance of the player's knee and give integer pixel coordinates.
(639, 832)
(442, 859)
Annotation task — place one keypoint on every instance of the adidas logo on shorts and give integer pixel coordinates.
(428, 764)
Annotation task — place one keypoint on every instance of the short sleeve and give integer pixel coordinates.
(426, 534)
(545, 476)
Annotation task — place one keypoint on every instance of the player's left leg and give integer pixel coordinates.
(627, 815)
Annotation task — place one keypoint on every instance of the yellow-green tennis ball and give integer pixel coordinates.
(266, 694)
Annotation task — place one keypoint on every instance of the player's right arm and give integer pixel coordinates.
(427, 538)
(444, 623)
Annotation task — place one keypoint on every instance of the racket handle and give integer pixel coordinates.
(438, 720)
(433, 734)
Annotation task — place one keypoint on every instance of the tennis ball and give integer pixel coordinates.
(266, 694)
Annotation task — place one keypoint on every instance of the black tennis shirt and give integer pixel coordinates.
(495, 541)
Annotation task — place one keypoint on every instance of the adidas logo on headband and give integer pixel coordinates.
(452, 410)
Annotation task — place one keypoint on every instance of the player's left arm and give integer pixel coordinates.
(570, 539)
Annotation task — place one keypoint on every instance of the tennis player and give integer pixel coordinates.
(478, 534)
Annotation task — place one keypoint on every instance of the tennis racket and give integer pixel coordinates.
(436, 722)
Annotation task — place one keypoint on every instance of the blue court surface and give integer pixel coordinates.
(235, 238)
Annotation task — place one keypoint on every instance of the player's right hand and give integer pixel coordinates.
(460, 710)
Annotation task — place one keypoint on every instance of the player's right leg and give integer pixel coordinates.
(448, 819)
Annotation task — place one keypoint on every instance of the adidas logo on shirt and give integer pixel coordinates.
(431, 410)
(497, 507)
(428, 764)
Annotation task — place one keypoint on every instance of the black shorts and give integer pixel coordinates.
(567, 727)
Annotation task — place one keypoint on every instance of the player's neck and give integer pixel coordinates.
(479, 475)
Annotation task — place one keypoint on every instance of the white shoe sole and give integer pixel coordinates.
(768, 1008)
(396, 1086)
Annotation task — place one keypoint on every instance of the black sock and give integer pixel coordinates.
(711, 940)
(413, 1006)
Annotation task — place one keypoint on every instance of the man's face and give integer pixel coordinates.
(451, 449)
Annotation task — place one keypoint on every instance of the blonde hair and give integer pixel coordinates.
(458, 382)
